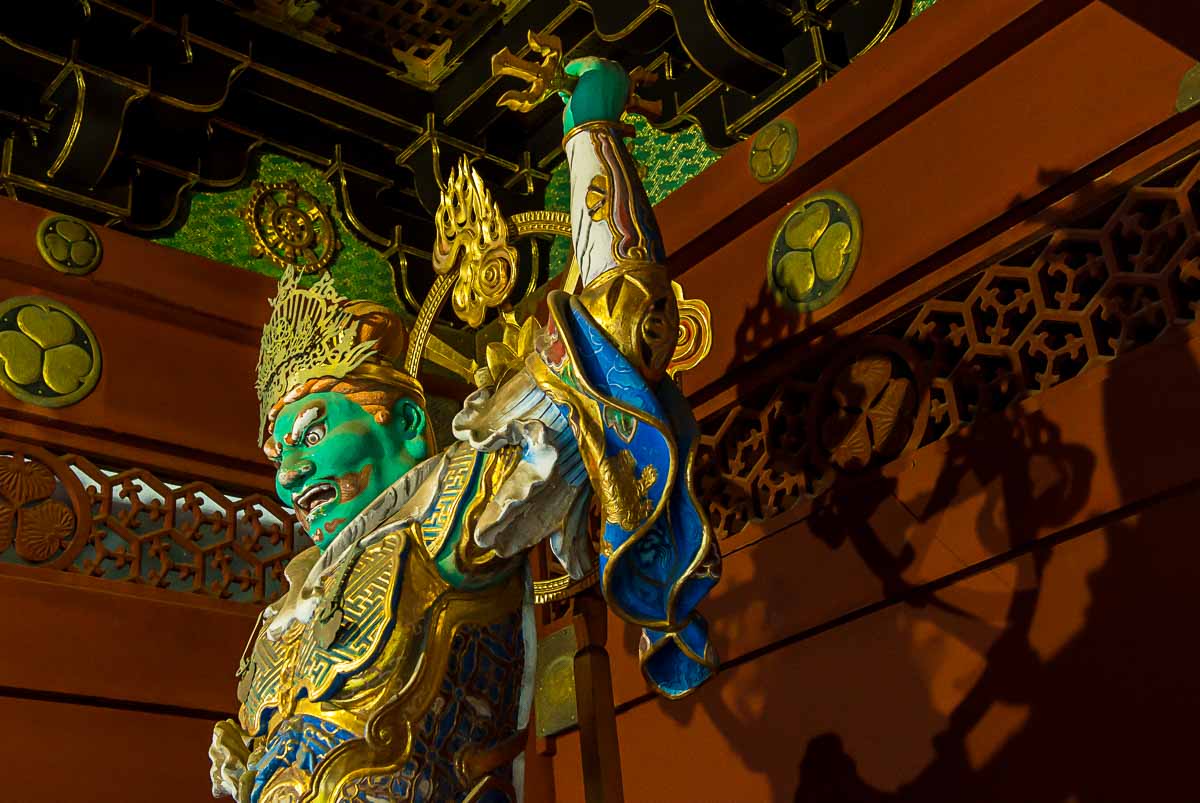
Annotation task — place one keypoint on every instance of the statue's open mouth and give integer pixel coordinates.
(315, 497)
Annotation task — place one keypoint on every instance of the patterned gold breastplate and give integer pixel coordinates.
(297, 666)
(371, 691)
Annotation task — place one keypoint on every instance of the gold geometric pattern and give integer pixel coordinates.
(296, 662)
(437, 525)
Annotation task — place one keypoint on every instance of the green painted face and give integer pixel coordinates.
(335, 458)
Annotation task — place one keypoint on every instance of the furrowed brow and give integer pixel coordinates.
(308, 416)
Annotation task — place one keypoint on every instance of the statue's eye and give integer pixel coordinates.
(314, 435)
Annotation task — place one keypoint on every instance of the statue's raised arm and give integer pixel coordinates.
(603, 361)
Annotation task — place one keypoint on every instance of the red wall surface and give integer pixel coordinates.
(991, 617)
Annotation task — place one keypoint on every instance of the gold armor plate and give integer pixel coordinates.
(296, 663)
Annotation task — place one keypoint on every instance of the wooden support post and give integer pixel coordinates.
(594, 695)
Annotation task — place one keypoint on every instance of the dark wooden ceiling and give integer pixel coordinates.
(116, 110)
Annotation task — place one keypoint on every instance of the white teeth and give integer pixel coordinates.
(305, 499)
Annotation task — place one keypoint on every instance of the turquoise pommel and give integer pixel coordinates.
(600, 93)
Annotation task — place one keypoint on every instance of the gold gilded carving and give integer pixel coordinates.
(48, 355)
(773, 151)
(695, 333)
(420, 335)
(290, 227)
(597, 197)
(541, 222)
(544, 79)
(425, 72)
(554, 688)
(68, 245)
(624, 491)
(548, 78)
(286, 786)
(314, 332)
(428, 605)
(505, 358)
(562, 587)
(814, 251)
(1189, 90)
(636, 306)
(472, 243)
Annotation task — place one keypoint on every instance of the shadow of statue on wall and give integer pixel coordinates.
(1018, 504)
(1100, 711)
(1107, 712)
(1084, 687)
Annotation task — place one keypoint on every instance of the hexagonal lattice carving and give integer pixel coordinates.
(133, 526)
(1032, 320)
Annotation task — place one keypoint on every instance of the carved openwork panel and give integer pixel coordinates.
(1113, 280)
(130, 525)
(40, 501)
(760, 458)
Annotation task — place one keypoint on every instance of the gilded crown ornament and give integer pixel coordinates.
(314, 332)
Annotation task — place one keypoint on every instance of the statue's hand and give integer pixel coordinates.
(601, 92)
(228, 755)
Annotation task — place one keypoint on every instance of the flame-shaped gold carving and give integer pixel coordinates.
(472, 239)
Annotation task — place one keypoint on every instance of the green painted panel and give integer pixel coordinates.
(921, 5)
(215, 229)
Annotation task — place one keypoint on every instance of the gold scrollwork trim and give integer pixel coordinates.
(562, 587)
(695, 333)
(69, 71)
(542, 221)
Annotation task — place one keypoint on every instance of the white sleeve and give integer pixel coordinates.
(546, 495)
(612, 222)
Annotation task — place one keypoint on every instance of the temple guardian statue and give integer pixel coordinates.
(398, 666)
